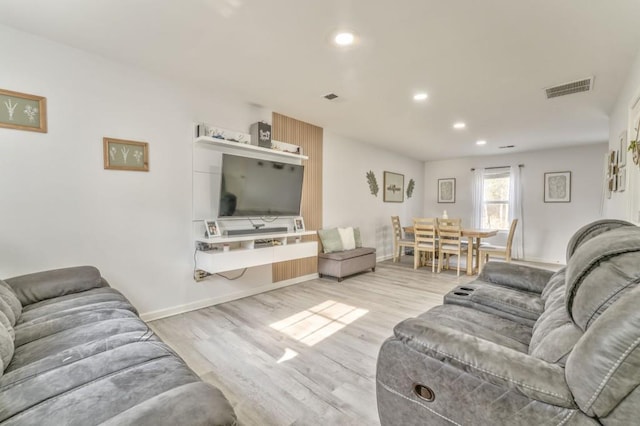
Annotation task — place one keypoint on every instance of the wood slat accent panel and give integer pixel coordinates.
(309, 137)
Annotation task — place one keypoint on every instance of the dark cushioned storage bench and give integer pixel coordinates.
(347, 262)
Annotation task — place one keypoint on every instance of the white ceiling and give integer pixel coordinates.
(483, 62)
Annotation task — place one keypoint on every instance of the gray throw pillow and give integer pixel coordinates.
(357, 237)
(330, 239)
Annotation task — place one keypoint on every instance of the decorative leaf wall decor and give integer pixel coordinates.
(410, 187)
(373, 183)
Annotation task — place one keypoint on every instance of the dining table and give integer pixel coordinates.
(475, 236)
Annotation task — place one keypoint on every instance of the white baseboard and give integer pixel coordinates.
(205, 303)
(541, 260)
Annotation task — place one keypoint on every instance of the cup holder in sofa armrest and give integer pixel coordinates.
(423, 392)
(467, 288)
(459, 293)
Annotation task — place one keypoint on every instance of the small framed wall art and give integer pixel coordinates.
(447, 190)
(22, 111)
(622, 160)
(120, 154)
(393, 187)
(557, 187)
(298, 224)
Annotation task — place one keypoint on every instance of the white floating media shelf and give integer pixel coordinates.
(246, 147)
(243, 253)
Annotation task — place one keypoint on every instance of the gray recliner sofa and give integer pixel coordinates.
(73, 351)
(525, 346)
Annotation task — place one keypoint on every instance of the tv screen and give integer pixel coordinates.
(253, 187)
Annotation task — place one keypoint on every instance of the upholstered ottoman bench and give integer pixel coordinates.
(340, 264)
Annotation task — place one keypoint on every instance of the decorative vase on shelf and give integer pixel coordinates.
(445, 215)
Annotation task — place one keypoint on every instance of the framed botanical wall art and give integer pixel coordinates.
(393, 187)
(22, 111)
(622, 179)
(120, 154)
(447, 190)
(557, 187)
(622, 160)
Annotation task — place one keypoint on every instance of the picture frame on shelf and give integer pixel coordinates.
(211, 228)
(22, 111)
(393, 187)
(298, 224)
(121, 154)
(557, 187)
(447, 190)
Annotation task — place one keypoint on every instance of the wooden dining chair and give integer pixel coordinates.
(450, 241)
(487, 250)
(424, 231)
(398, 241)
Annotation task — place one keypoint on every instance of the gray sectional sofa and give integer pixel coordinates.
(74, 352)
(526, 346)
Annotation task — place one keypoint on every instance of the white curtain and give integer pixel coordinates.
(516, 212)
(477, 192)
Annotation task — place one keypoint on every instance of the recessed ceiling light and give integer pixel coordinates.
(420, 96)
(344, 39)
(459, 125)
(482, 142)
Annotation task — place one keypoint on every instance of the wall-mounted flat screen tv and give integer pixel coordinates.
(254, 187)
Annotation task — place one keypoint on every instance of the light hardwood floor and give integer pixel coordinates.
(305, 354)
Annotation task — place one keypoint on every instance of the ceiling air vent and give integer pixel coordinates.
(577, 86)
(507, 147)
(330, 96)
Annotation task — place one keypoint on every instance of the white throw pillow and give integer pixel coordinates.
(348, 241)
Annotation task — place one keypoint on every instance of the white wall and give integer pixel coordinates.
(626, 205)
(347, 200)
(61, 208)
(547, 226)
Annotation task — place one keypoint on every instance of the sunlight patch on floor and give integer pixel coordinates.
(288, 354)
(319, 322)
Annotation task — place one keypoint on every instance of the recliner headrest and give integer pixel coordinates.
(592, 230)
(600, 271)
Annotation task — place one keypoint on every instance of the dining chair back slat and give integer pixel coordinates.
(450, 241)
(398, 241)
(424, 231)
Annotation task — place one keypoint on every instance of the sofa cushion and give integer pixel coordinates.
(11, 301)
(591, 230)
(86, 300)
(554, 334)
(32, 288)
(513, 304)
(603, 370)
(347, 254)
(4, 322)
(600, 271)
(119, 379)
(330, 239)
(55, 343)
(481, 324)
(6, 348)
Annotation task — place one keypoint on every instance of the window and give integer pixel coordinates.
(495, 199)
